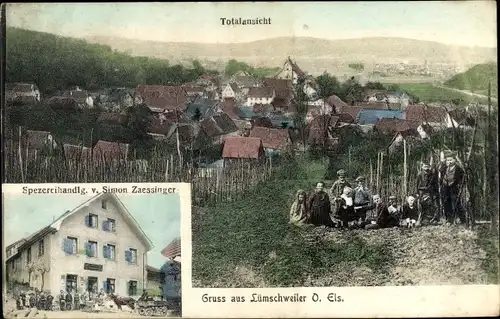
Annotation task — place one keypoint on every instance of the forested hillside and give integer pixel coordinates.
(55, 63)
(476, 79)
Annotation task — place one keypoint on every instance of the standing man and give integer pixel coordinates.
(452, 176)
(362, 199)
(319, 207)
(428, 190)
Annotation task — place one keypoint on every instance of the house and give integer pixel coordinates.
(22, 92)
(160, 129)
(376, 105)
(115, 100)
(97, 245)
(395, 98)
(352, 111)
(371, 116)
(274, 140)
(247, 112)
(77, 153)
(283, 93)
(105, 151)
(239, 148)
(204, 107)
(191, 136)
(229, 107)
(245, 82)
(345, 118)
(317, 110)
(320, 131)
(193, 90)
(162, 98)
(261, 121)
(112, 118)
(173, 250)
(231, 91)
(38, 141)
(261, 95)
(290, 71)
(263, 109)
(400, 137)
(335, 103)
(82, 98)
(279, 120)
(459, 118)
(218, 126)
(433, 116)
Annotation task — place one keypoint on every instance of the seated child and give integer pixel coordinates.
(345, 204)
(410, 213)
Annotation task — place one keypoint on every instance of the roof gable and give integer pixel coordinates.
(242, 147)
(273, 138)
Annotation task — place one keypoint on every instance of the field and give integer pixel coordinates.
(428, 92)
(266, 251)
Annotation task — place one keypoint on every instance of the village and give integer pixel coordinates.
(249, 118)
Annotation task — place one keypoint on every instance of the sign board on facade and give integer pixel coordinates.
(93, 267)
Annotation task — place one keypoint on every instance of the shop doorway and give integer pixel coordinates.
(92, 287)
(71, 284)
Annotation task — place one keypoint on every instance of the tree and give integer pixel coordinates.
(42, 268)
(374, 86)
(197, 115)
(31, 267)
(328, 85)
(352, 91)
(300, 100)
(358, 66)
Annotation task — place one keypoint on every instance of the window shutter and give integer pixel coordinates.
(87, 220)
(88, 249)
(106, 252)
(128, 256)
(105, 225)
(66, 245)
(105, 285)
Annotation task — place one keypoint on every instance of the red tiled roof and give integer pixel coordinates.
(173, 249)
(104, 150)
(336, 102)
(229, 107)
(345, 117)
(391, 125)
(166, 97)
(423, 113)
(210, 127)
(273, 138)
(242, 147)
(262, 92)
(353, 111)
(261, 121)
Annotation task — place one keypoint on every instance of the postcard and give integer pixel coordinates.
(342, 157)
(93, 250)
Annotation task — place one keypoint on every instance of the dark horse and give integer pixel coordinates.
(121, 301)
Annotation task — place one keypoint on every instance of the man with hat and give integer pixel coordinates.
(451, 178)
(362, 199)
(428, 190)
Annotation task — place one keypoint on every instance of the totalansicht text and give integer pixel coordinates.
(242, 21)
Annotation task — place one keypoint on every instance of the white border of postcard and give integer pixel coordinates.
(361, 302)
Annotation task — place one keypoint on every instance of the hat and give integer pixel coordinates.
(340, 172)
(360, 179)
(392, 197)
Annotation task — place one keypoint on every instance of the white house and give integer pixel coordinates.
(98, 245)
(260, 95)
(231, 91)
(81, 97)
(290, 71)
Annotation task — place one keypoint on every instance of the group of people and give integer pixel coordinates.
(345, 206)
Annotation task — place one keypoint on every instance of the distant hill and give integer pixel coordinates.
(311, 53)
(476, 79)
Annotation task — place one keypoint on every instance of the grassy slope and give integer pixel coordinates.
(476, 79)
(249, 243)
(262, 249)
(427, 92)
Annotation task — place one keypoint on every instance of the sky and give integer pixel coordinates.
(157, 214)
(470, 23)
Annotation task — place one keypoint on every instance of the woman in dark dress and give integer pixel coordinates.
(319, 207)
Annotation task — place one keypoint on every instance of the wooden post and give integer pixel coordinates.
(20, 155)
(405, 168)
